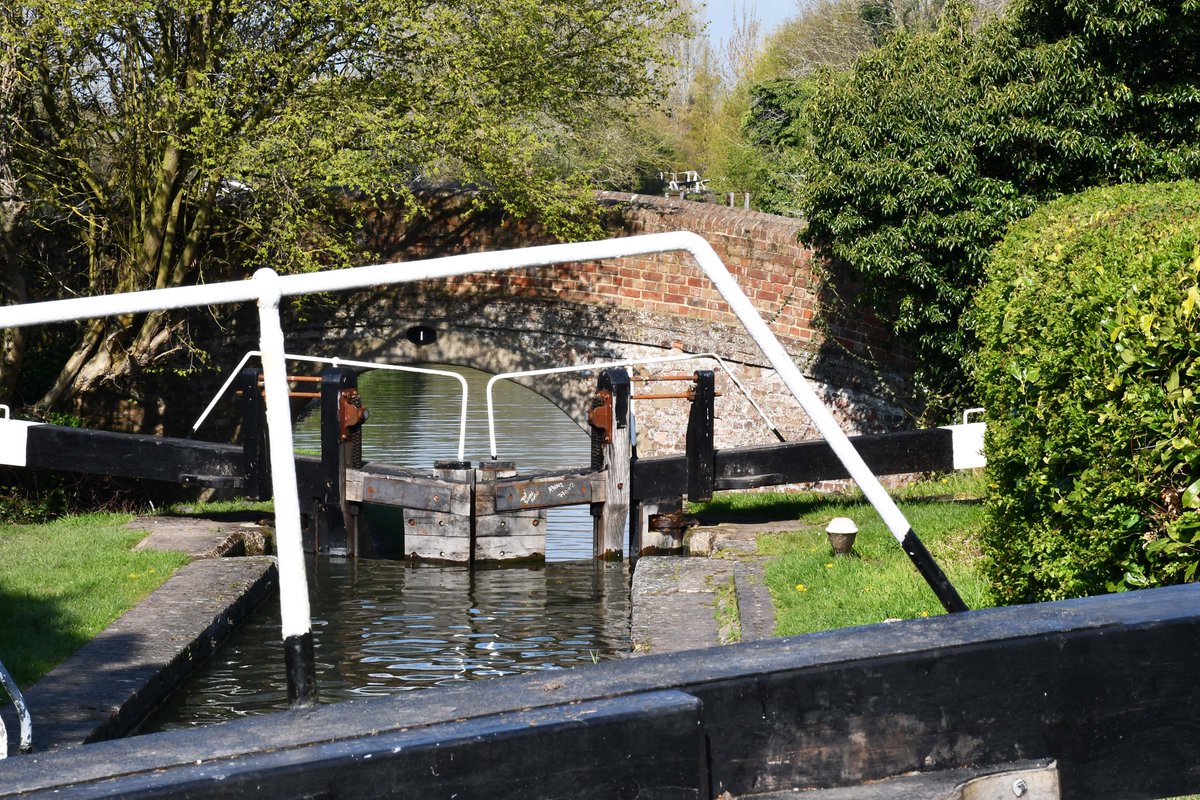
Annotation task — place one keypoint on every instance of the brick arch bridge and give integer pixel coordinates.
(629, 308)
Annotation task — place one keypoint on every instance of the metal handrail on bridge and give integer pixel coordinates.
(268, 288)
(629, 362)
(348, 362)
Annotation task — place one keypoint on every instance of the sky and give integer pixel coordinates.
(720, 15)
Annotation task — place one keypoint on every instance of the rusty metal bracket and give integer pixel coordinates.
(601, 417)
(351, 413)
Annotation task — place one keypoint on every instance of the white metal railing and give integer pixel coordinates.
(267, 288)
(348, 362)
(629, 362)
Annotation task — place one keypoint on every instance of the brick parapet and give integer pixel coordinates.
(762, 251)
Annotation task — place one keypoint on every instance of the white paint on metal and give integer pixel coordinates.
(967, 440)
(347, 362)
(289, 544)
(14, 441)
(25, 744)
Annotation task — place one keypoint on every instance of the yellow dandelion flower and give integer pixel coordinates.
(800, 587)
(829, 566)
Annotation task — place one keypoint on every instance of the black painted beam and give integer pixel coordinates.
(1101, 685)
(701, 455)
(129, 455)
(158, 458)
(799, 462)
(649, 745)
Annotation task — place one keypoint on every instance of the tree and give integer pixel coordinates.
(922, 156)
(12, 207)
(826, 37)
(190, 139)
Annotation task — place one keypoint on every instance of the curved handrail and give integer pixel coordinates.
(462, 420)
(629, 362)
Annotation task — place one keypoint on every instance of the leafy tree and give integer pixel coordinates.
(924, 153)
(188, 139)
(893, 187)
(827, 35)
(12, 208)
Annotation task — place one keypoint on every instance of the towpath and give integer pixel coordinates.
(112, 683)
(716, 596)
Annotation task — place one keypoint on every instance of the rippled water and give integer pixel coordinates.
(382, 627)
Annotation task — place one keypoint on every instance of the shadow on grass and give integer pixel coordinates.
(772, 507)
(35, 635)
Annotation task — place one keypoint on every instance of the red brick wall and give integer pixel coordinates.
(761, 250)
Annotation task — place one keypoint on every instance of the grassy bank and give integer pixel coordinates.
(813, 590)
(63, 582)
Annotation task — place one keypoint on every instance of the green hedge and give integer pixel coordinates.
(1088, 368)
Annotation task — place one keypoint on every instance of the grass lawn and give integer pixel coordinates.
(814, 591)
(63, 582)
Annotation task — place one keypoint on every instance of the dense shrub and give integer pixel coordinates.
(1090, 353)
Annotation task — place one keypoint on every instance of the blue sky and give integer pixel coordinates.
(720, 14)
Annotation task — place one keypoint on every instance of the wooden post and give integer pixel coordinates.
(342, 416)
(611, 434)
(256, 463)
(701, 457)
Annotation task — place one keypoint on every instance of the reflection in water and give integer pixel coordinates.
(382, 627)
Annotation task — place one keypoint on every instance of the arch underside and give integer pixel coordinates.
(497, 334)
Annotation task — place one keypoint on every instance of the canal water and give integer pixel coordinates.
(381, 627)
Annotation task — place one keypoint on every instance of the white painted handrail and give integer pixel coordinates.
(629, 362)
(267, 288)
(967, 414)
(348, 362)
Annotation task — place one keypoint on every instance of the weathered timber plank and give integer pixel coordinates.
(433, 536)
(129, 455)
(407, 490)
(546, 491)
(799, 462)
